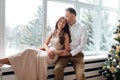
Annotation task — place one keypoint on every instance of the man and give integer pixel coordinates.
(78, 42)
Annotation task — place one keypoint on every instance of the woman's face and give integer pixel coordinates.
(62, 23)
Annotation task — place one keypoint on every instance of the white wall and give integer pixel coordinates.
(2, 24)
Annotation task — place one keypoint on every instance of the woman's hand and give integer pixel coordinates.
(51, 54)
(61, 52)
(65, 54)
(42, 49)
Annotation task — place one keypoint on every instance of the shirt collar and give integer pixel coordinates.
(73, 24)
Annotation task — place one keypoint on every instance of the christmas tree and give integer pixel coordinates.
(111, 67)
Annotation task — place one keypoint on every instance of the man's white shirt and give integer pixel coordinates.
(79, 38)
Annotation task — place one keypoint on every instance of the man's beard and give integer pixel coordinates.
(68, 22)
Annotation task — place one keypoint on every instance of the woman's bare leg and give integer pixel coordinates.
(5, 61)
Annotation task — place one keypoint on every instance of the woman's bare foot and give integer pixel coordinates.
(4, 61)
(1, 64)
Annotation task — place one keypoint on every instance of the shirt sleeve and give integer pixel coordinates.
(82, 44)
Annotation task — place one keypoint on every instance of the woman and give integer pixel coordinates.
(31, 64)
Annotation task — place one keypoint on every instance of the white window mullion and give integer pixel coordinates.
(119, 9)
(98, 28)
(77, 11)
(2, 26)
(44, 19)
(64, 1)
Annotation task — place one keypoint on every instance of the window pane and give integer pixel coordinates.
(96, 2)
(108, 24)
(89, 19)
(55, 10)
(110, 3)
(23, 25)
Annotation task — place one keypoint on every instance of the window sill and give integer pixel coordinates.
(87, 59)
(95, 57)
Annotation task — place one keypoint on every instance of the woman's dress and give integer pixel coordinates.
(32, 64)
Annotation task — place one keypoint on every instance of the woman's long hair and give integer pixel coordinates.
(65, 30)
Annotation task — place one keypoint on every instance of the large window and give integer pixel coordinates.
(25, 21)
(89, 18)
(108, 25)
(100, 36)
(23, 25)
(98, 16)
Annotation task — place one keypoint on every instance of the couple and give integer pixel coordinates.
(64, 45)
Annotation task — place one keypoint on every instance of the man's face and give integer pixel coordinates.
(68, 16)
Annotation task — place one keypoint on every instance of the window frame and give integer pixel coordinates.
(77, 4)
(2, 28)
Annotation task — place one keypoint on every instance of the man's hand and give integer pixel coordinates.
(65, 53)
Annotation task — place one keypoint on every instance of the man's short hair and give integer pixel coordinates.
(71, 10)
